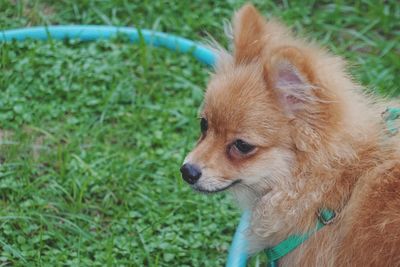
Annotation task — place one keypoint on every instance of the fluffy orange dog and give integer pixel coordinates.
(287, 131)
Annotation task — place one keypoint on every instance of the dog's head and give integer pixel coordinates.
(265, 104)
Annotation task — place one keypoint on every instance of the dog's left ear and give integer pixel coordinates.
(312, 110)
(291, 77)
(248, 31)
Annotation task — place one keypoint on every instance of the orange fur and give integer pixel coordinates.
(319, 143)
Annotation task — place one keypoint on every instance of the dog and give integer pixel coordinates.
(287, 131)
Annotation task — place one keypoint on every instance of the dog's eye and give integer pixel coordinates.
(203, 125)
(243, 147)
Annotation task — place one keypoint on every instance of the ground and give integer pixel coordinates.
(92, 134)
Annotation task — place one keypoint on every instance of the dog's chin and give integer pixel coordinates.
(203, 190)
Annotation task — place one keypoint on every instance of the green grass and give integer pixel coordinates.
(92, 134)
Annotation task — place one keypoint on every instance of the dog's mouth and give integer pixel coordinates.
(211, 191)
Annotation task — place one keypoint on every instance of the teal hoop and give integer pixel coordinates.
(237, 253)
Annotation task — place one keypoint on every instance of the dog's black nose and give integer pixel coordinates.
(190, 173)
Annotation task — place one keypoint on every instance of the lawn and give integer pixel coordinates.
(92, 135)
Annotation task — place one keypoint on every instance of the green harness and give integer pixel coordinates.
(390, 115)
(325, 216)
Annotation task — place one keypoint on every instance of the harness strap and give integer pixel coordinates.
(325, 217)
(390, 115)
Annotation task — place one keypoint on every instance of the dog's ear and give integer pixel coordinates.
(248, 30)
(291, 75)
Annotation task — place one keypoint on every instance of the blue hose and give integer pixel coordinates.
(94, 32)
(237, 256)
(237, 253)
